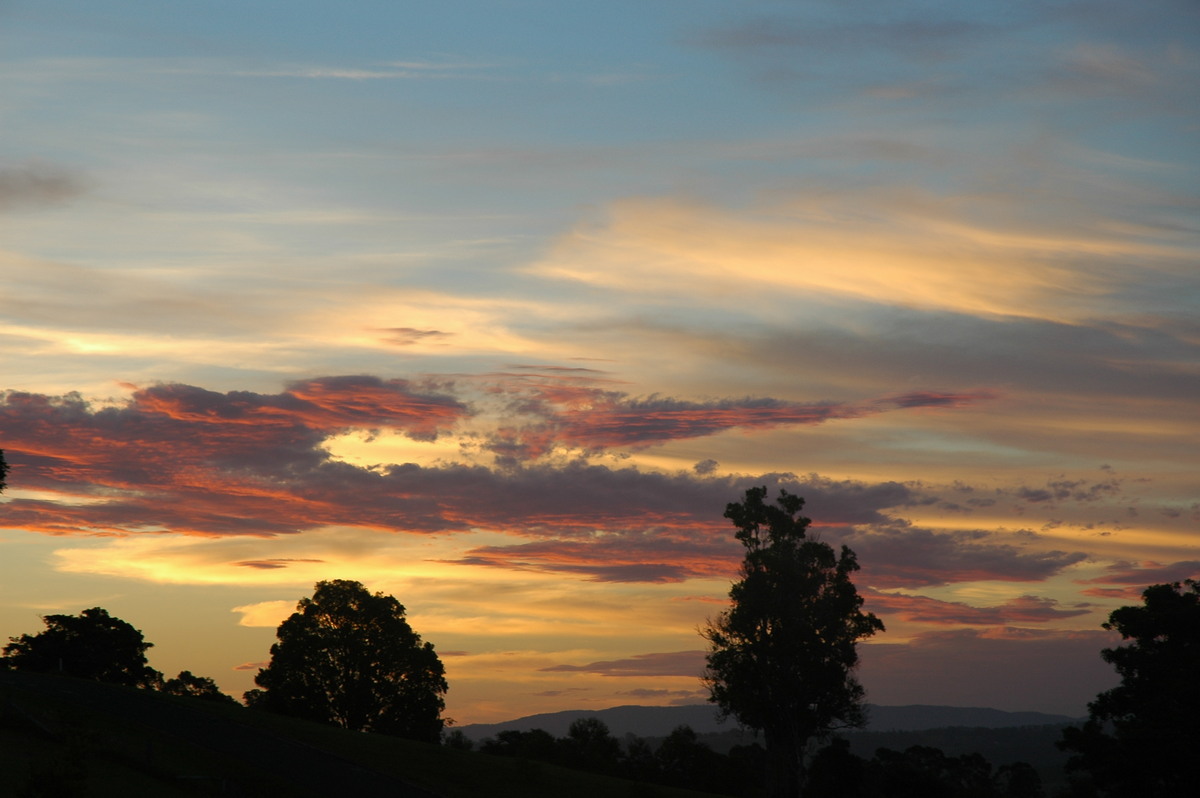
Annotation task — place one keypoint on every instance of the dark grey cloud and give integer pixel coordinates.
(1131, 578)
(922, 609)
(408, 336)
(1004, 668)
(37, 185)
(902, 556)
(959, 351)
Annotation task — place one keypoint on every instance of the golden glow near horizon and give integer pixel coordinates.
(502, 335)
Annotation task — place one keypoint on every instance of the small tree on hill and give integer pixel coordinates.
(187, 684)
(348, 657)
(91, 645)
(1141, 737)
(781, 659)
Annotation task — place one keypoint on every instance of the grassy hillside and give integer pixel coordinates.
(63, 737)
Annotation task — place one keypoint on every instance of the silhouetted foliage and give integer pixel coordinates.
(781, 659)
(458, 741)
(187, 684)
(1142, 737)
(536, 744)
(917, 772)
(91, 645)
(834, 772)
(684, 761)
(3, 472)
(590, 746)
(348, 658)
(1018, 780)
(639, 762)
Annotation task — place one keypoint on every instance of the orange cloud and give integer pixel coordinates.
(895, 248)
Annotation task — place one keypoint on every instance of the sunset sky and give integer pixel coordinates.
(493, 306)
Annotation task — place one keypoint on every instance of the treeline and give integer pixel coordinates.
(683, 760)
(98, 646)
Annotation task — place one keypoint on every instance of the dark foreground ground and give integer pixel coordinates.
(62, 736)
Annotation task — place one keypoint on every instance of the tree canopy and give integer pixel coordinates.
(188, 684)
(1142, 736)
(781, 659)
(91, 645)
(3, 471)
(349, 658)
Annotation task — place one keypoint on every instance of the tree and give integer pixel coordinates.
(348, 658)
(589, 745)
(3, 472)
(1141, 737)
(781, 659)
(91, 645)
(686, 762)
(187, 684)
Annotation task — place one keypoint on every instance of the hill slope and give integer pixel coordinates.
(64, 736)
(659, 721)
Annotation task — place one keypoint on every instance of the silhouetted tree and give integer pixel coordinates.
(536, 744)
(187, 684)
(835, 772)
(348, 657)
(638, 762)
(781, 659)
(1142, 737)
(3, 472)
(589, 745)
(458, 740)
(1018, 780)
(686, 762)
(91, 645)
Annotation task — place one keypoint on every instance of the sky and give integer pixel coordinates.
(494, 306)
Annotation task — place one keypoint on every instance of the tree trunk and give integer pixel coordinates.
(785, 765)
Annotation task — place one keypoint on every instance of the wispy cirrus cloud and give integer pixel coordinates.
(675, 663)
(895, 247)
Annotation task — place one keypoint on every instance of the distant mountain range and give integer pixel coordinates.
(659, 721)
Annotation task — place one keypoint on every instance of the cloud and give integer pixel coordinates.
(675, 663)
(1102, 363)
(898, 556)
(1000, 667)
(892, 247)
(908, 557)
(568, 410)
(264, 613)
(181, 459)
(37, 185)
(913, 36)
(1134, 577)
(922, 609)
(408, 336)
(618, 557)
(184, 459)
(273, 563)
